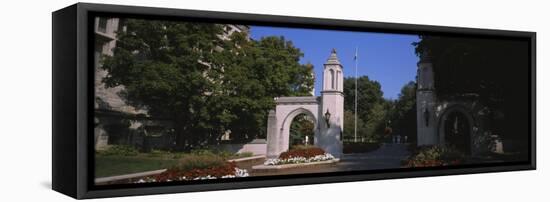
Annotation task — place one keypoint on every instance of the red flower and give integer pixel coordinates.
(175, 174)
(306, 153)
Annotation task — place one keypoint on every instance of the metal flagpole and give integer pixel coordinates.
(355, 132)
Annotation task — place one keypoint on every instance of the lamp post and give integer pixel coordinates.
(327, 118)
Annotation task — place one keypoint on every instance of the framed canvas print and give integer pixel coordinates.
(155, 100)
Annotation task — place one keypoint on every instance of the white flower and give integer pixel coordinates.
(241, 172)
(294, 160)
(269, 162)
(238, 173)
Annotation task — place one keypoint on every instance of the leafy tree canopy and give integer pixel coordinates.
(370, 108)
(187, 73)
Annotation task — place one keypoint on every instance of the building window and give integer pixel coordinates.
(102, 25)
(332, 78)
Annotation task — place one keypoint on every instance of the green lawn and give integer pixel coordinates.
(120, 160)
(120, 165)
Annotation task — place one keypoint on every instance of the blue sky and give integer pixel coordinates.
(386, 58)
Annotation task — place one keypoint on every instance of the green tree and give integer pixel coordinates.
(349, 127)
(371, 111)
(257, 72)
(369, 92)
(162, 65)
(403, 112)
(301, 127)
(186, 73)
(377, 118)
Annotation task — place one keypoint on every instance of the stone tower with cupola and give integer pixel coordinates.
(332, 109)
(426, 102)
(327, 110)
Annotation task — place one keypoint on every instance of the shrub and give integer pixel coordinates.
(199, 161)
(309, 152)
(301, 146)
(202, 152)
(226, 154)
(213, 151)
(434, 156)
(159, 153)
(199, 164)
(119, 150)
(221, 171)
(244, 154)
(178, 155)
(217, 171)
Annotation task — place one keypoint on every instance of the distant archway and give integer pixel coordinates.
(302, 130)
(456, 129)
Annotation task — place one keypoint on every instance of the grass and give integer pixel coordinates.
(119, 165)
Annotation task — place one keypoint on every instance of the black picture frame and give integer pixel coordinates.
(72, 103)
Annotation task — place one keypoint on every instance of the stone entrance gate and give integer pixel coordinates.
(326, 111)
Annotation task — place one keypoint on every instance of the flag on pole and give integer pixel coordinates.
(355, 56)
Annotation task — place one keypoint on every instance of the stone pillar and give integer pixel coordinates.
(101, 138)
(332, 99)
(284, 138)
(426, 120)
(272, 136)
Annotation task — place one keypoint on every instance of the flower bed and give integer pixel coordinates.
(229, 170)
(302, 155)
(430, 156)
(198, 166)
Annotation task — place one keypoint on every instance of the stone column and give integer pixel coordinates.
(426, 101)
(272, 136)
(100, 136)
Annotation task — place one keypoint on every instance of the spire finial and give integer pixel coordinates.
(333, 59)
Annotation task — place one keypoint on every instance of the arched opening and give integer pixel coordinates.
(285, 132)
(455, 128)
(337, 81)
(302, 131)
(331, 79)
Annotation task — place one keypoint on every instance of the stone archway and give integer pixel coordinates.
(279, 121)
(302, 129)
(455, 128)
(287, 122)
(326, 111)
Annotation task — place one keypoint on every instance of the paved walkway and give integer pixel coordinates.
(387, 156)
